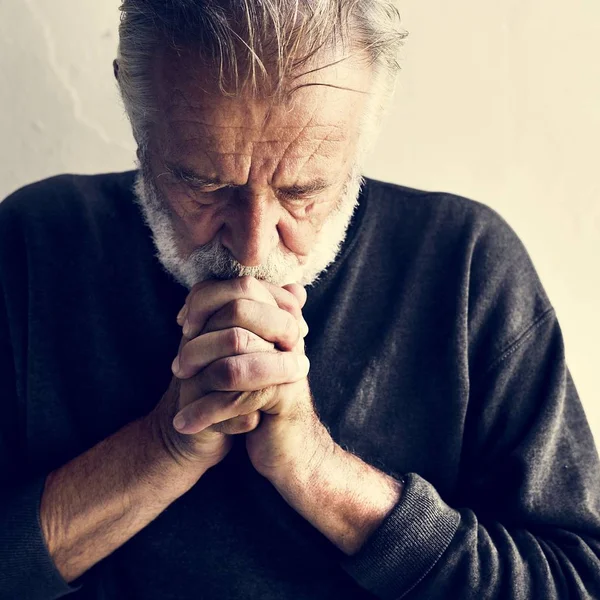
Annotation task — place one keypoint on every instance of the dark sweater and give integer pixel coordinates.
(434, 351)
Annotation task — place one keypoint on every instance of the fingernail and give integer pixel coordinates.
(179, 422)
(182, 314)
(303, 364)
(187, 328)
(175, 366)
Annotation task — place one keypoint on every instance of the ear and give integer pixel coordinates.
(116, 69)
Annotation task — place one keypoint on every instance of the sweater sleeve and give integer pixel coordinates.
(27, 570)
(526, 522)
(524, 519)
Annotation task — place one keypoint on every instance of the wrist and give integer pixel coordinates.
(312, 447)
(342, 496)
(165, 453)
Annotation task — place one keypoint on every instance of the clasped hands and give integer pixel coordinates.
(241, 368)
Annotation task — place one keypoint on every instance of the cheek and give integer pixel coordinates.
(196, 224)
(299, 230)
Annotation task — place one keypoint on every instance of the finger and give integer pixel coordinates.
(207, 297)
(208, 347)
(286, 298)
(298, 291)
(214, 410)
(237, 425)
(291, 297)
(269, 322)
(301, 296)
(175, 365)
(300, 347)
(251, 372)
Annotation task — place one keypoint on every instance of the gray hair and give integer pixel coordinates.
(258, 45)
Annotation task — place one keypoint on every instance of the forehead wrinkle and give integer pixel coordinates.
(228, 114)
(231, 154)
(287, 154)
(207, 126)
(239, 144)
(250, 127)
(196, 130)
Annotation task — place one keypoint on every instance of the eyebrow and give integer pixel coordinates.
(185, 174)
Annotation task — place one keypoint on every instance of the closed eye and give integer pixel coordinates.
(300, 193)
(203, 188)
(296, 194)
(295, 197)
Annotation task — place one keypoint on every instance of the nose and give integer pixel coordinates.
(251, 231)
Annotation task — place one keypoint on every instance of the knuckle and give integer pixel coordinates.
(239, 340)
(284, 364)
(261, 367)
(232, 372)
(246, 284)
(238, 308)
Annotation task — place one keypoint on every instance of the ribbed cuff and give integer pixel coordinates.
(407, 544)
(27, 570)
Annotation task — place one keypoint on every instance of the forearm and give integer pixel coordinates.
(99, 500)
(343, 497)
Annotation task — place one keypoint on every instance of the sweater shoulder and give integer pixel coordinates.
(66, 193)
(74, 220)
(449, 211)
(442, 220)
(479, 256)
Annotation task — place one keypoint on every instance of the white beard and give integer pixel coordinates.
(214, 261)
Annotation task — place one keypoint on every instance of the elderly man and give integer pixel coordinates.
(164, 434)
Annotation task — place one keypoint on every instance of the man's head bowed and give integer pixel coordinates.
(262, 47)
(252, 120)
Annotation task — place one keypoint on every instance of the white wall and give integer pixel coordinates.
(498, 101)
